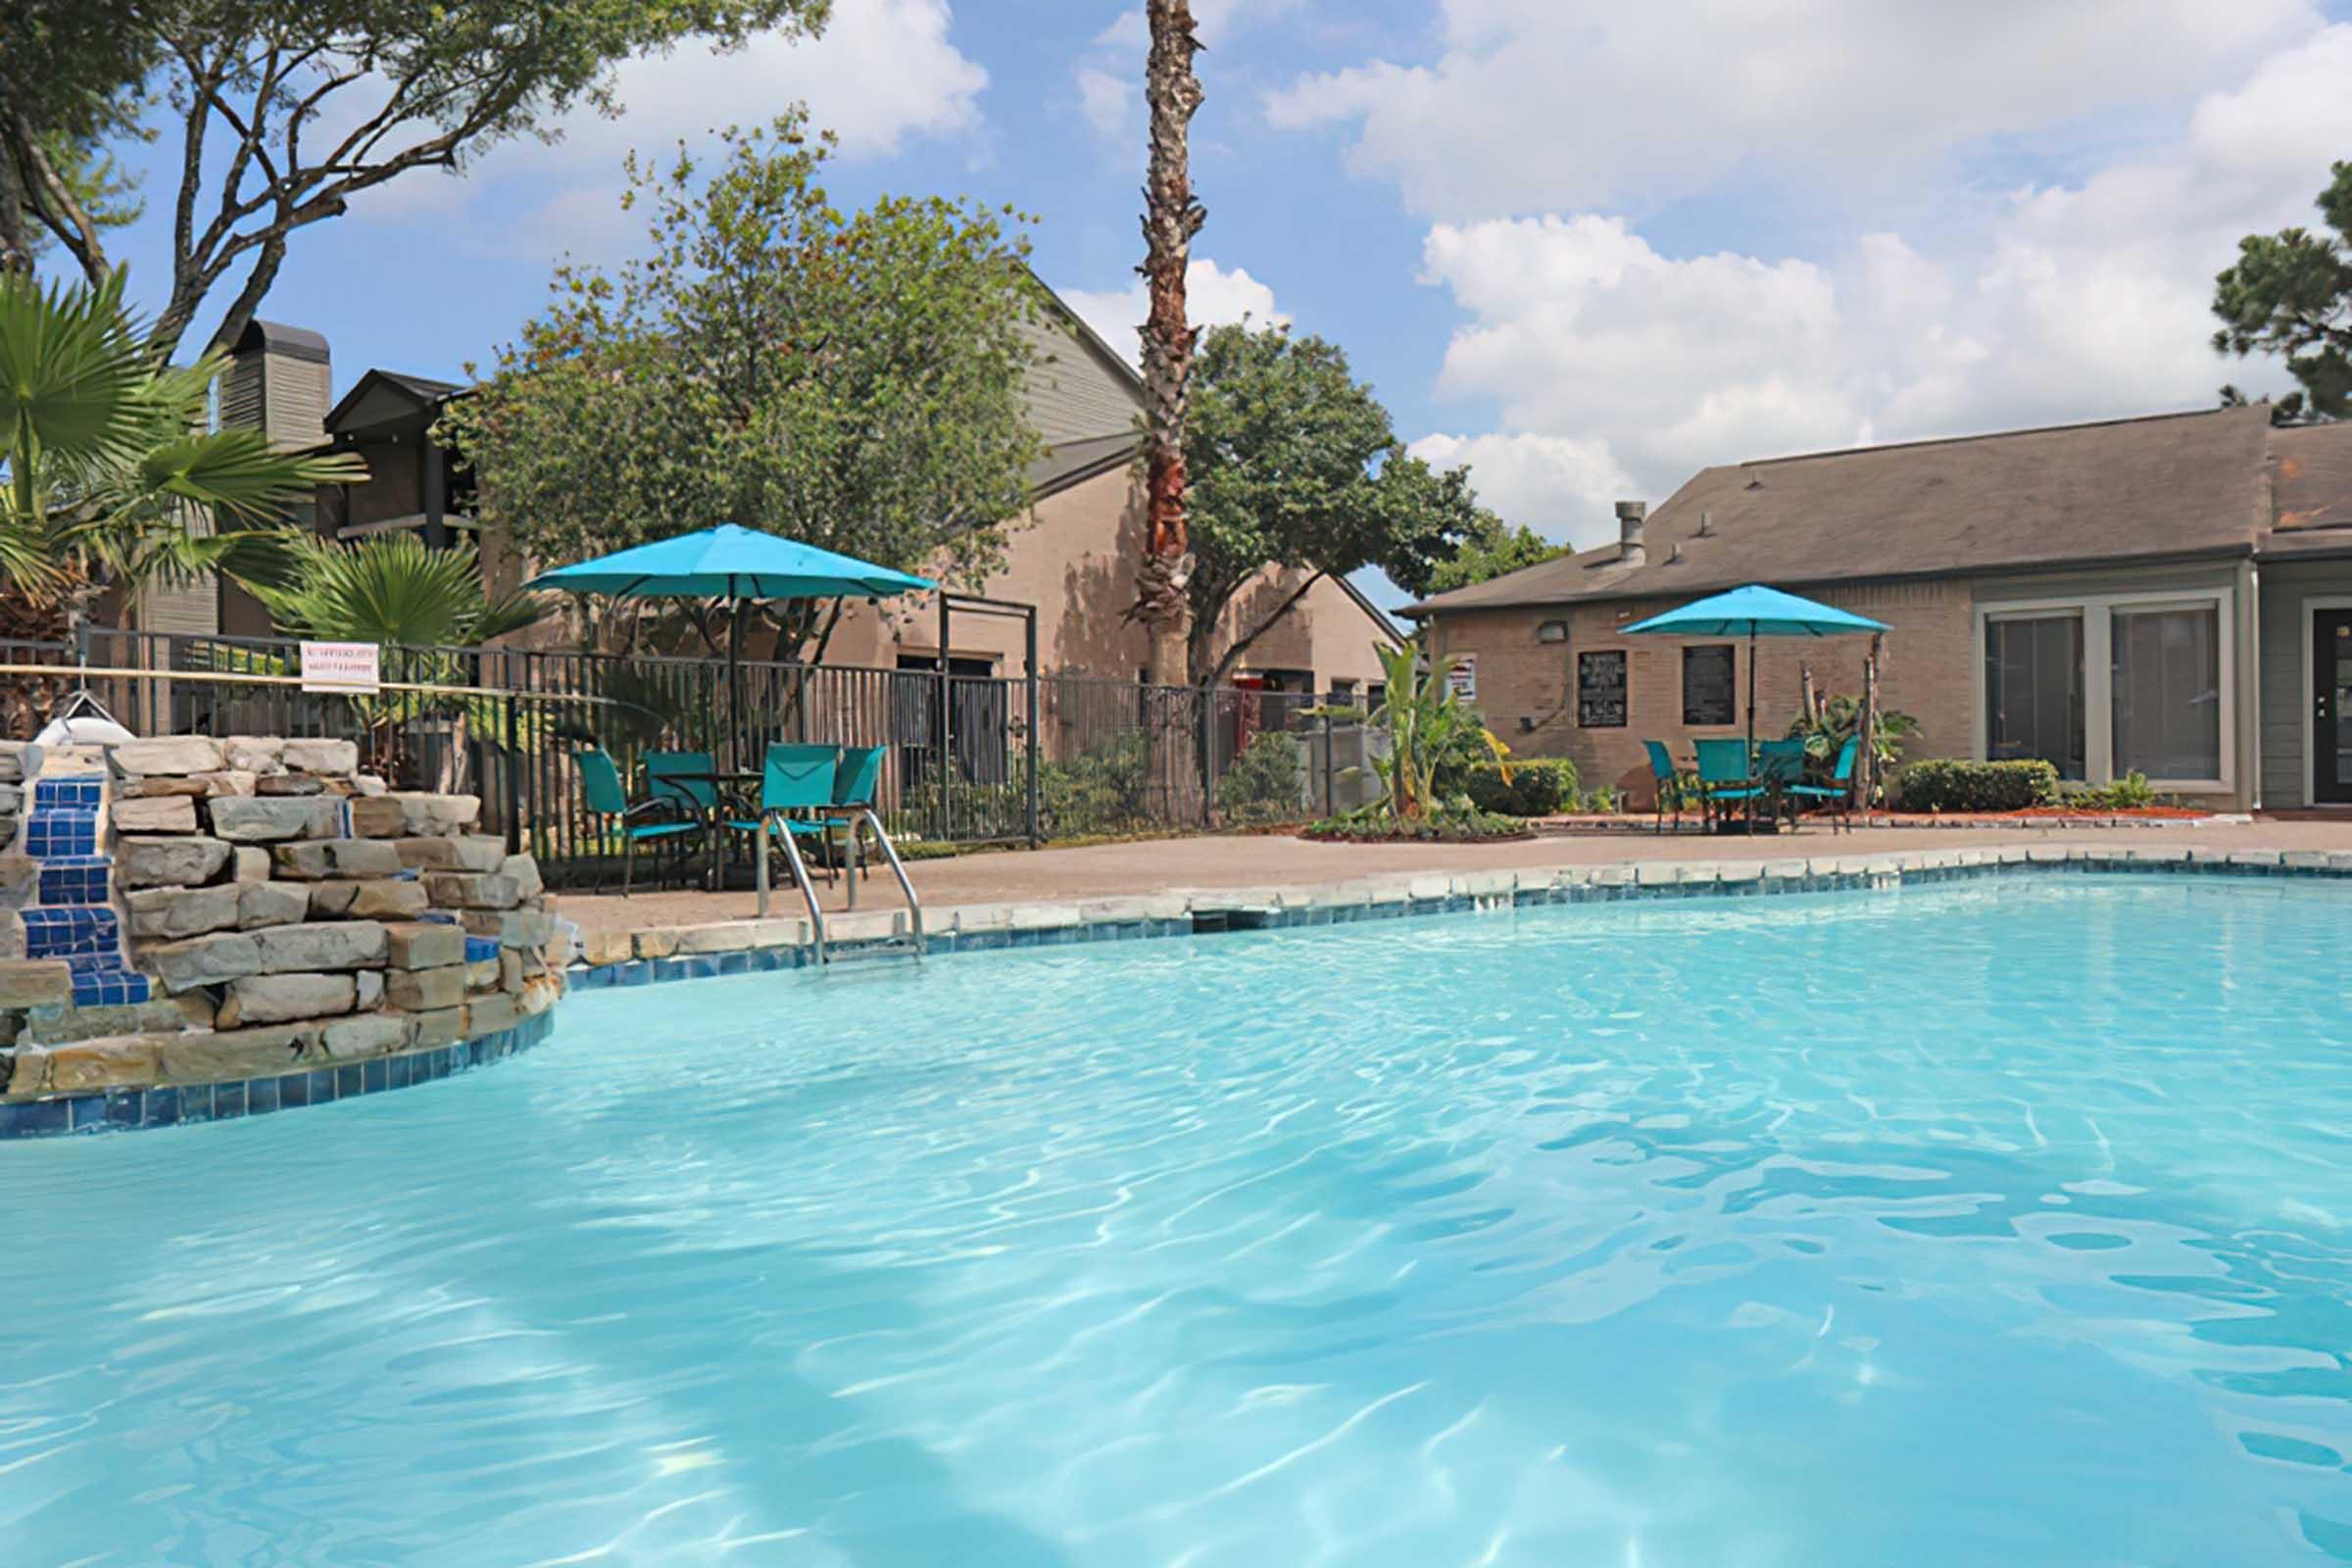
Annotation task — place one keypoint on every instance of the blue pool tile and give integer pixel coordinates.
(86, 1114)
(195, 1102)
(475, 1054)
(322, 1086)
(293, 1091)
(163, 1108)
(350, 1082)
(125, 1108)
(35, 1118)
(397, 1071)
(375, 1076)
(261, 1097)
(229, 1101)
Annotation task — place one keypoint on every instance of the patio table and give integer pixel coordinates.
(727, 785)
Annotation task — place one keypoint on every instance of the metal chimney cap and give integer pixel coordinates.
(1631, 511)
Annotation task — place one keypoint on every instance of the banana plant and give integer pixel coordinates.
(1425, 722)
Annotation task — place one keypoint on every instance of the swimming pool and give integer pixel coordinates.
(2000, 1222)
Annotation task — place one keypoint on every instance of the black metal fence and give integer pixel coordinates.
(973, 760)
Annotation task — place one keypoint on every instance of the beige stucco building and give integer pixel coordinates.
(1072, 554)
(2170, 596)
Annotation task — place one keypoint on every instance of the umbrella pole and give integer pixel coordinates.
(1755, 773)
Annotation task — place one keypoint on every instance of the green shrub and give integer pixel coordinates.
(1457, 823)
(1950, 785)
(1265, 783)
(1539, 787)
(2127, 794)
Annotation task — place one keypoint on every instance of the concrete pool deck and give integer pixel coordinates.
(1221, 867)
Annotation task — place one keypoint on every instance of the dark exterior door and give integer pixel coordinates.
(2331, 705)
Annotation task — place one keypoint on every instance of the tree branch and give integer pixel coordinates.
(54, 201)
(1241, 645)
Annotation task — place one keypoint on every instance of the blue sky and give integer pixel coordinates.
(1585, 248)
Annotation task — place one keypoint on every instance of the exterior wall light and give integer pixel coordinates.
(1552, 631)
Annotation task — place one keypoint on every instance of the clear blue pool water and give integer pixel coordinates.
(1989, 1224)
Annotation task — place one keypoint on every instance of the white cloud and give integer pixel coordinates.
(1532, 104)
(883, 74)
(1108, 76)
(2070, 302)
(1558, 485)
(1213, 297)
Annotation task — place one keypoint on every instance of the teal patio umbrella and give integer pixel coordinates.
(1751, 613)
(741, 565)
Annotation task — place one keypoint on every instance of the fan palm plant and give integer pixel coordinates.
(395, 590)
(113, 481)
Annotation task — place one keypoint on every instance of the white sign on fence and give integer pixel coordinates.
(1462, 678)
(351, 668)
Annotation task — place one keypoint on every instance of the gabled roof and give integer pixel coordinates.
(2160, 486)
(1073, 462)
(414, 394)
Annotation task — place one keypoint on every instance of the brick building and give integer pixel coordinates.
(2169, 595)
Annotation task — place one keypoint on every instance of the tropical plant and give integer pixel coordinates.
(1425, 721)
(112, 480)
(1826, 731)
(1172, 216)
(395, 590)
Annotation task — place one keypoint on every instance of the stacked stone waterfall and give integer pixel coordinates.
(281, 910)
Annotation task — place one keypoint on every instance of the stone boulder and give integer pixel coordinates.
(84, 1066)
(341, 758)
(473, 890)
(422, 945)
(270, 785)
(175, 754)
(347, 860)
(369, 1034)
(284, 998)
(387, 900)
(168, 914)
(332, 945)
(219, 1055)
(378, 816)
(254, 754)
(425, 990)
(162, 814)
(437, 817)
(260, 904)
(35, 983)
(204, 960)
(168, 862)
(252, 819)
(57, 1026)
(473, 853)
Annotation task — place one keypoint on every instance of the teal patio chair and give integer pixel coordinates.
(855, 786)
(696, 795)
(604, 799)
(1724, 778)
(1838, 792)
(793, 778)
(1667, 781)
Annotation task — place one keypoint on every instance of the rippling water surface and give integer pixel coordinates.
(1989, 1225)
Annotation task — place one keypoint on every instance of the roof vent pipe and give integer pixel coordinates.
(1706, 524)
(1629, 515)
(1674, 552)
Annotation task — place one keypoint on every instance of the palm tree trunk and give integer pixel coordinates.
(1171, 218)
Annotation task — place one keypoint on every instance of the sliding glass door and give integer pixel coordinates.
(2034, 690)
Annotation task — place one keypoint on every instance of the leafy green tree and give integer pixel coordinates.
(2290, 294)
(71, 78)
(850, 381)
(1495, 550)
(112, 480)
(284, 110)
(1295, 464)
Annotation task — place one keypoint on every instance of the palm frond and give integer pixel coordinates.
(70, 369)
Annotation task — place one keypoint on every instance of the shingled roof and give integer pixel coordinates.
(2163, 487)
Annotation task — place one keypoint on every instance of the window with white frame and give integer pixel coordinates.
(2034, 691)
(2167, 692)
(2105, 685)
